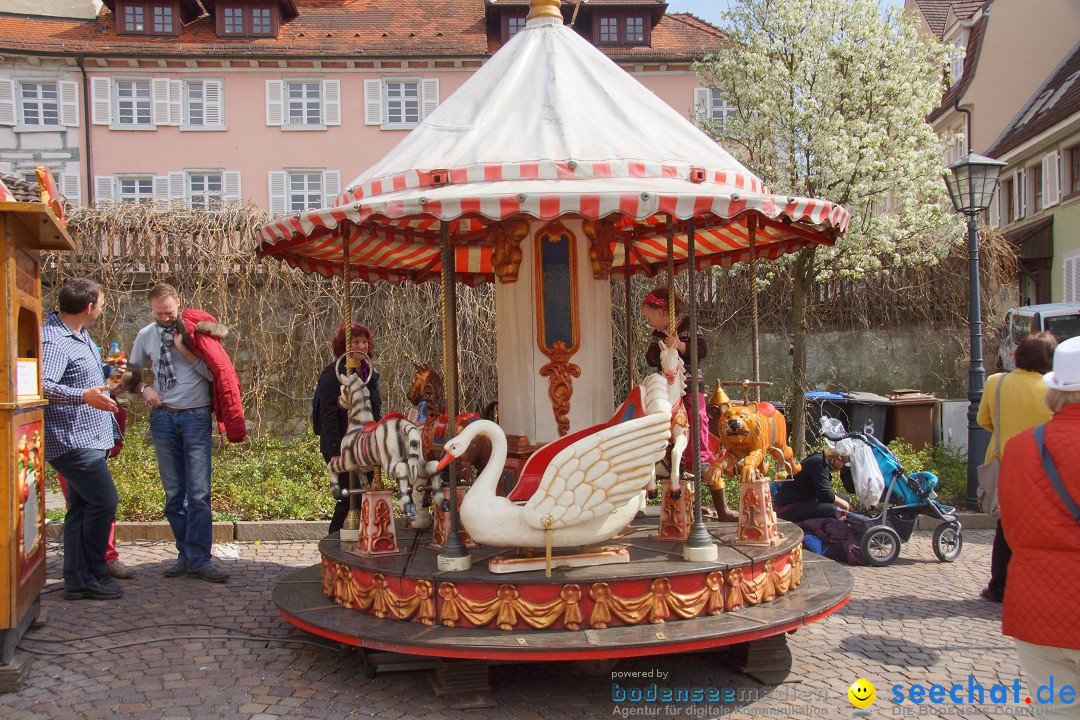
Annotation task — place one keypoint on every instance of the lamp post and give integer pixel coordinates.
(971, 182)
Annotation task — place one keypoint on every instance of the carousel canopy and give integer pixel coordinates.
(548, 127)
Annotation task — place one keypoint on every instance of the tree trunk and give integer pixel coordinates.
(796, 412)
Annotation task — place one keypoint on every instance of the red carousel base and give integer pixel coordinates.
(657, 603)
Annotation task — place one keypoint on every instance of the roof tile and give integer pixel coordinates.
(1056, 100)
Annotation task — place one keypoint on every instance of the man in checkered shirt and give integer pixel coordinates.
(80, 430)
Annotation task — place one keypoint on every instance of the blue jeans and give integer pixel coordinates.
(182, 441)
(91, 503)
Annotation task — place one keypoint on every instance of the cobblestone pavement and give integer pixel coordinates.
(916, 621)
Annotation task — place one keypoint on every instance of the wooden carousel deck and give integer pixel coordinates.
(657, 603)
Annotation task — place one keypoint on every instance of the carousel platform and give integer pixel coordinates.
(654, 604)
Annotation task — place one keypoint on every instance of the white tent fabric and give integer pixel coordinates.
(549, 126)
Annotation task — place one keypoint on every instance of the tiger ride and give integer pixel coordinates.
(530, 177)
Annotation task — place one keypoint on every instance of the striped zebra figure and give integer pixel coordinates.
(393, 444)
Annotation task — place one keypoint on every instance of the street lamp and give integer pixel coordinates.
(971, 182)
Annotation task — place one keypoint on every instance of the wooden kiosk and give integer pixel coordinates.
(26, 228)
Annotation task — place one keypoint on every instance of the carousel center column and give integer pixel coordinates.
(553, 333)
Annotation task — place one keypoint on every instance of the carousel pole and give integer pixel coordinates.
(350, 530)
(454, 556)
(672, 327)
(699, 546)
(629, 323)
(754, 348)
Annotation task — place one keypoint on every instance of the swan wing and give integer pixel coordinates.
(598, 473)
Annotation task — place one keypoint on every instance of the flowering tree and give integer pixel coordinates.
(828, 99)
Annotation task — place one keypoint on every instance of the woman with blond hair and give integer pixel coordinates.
(1011, 403)
(1040, 509)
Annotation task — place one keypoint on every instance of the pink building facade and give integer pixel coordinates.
(307, 95)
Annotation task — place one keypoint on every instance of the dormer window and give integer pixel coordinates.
(614, 28)
(146, 17)
(512, 25)
(242, 20)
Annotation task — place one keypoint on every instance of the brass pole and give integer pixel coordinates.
(629, 323)
(350, 529)
(673, 329)
(453, 547)
(755, 350)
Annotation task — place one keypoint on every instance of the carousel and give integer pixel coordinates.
(550, 172)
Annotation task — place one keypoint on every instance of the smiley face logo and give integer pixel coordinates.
(862, 693)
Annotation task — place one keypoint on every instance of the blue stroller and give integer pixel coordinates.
(906, 496)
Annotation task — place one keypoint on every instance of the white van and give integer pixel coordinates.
(1062, 319)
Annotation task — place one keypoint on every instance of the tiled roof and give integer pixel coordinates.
(971, 60)
(936, 12)
(353, 28)
(1056, 100)
(1024, 233)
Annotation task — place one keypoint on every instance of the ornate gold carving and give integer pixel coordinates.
(340, 585)
(507, 608)
(506, 255)
(657, 605)
(767, 585)
(601, 236)
(560, 386)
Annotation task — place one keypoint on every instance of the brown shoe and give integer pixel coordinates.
(209, 573)
(178, 568)
(119, 570)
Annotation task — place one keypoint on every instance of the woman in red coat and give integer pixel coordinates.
(1041, 609)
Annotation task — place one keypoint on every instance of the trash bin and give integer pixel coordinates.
(911, 418)
(819, 404)
(867, 412)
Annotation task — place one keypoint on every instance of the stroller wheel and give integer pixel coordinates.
(880, 545)
(948, 542)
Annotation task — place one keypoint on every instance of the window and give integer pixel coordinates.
(1072, 158)
(710, 106)
(304, 103)
(621, 29)
(144, 17)
(260, 21)
(1005, 201)
(205, 190)
(202, 104)
(163, 20)
(134, 19)
(40, 104)
(305, 189)
(399, 104)
(247, 20)
(514, 25)
(234, 21)
(403, 102)
(133, 106)
(958, 62)
(609, 29)
(139, 190)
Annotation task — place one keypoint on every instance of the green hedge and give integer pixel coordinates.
(263, 478)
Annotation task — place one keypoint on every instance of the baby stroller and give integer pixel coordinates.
(904, 498)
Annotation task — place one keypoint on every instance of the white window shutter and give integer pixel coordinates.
(1051, 185)
(176, 102)
(213, 103)
(1019, 195)
(275, 102)
(69, 103)
(159, 92)
(230, 181)
(103, 190)
(1024, 192)
(701, 104)
(994, 215)
(161, 193)
(1071, 286)
(7, 102)
(331, 96)
(101, 101)
(71, 187)
(429, 95)
(178, 188)
(277, 181)
(373, 96)
(331, 182)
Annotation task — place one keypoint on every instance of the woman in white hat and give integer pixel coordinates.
(1039, 493)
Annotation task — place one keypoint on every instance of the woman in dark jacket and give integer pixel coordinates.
(331, 422)
(809, 494)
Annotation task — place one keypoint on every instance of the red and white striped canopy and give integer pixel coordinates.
(548, 127)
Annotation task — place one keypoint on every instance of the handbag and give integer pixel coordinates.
(989, 472)
(1051, 472)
